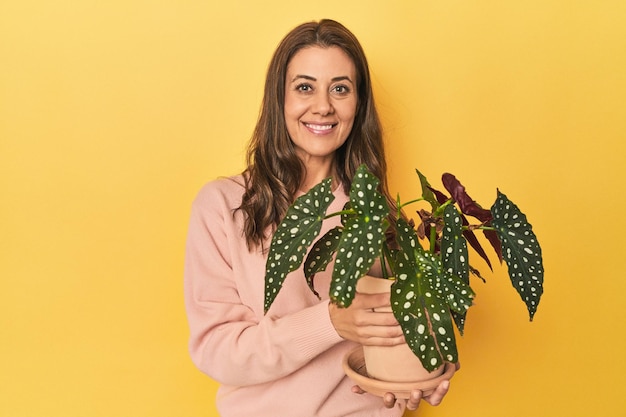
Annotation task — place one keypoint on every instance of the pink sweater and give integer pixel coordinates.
(283, 364)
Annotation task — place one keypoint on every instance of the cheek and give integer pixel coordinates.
(293, 107)
(349, 113)
(292, 116)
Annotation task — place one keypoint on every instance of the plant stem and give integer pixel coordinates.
(401, 206)
(383, 263)
(339, 213)
(479, 227)
(433, 237)
(441, 208)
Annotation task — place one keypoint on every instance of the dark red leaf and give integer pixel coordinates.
(474, 243)
(441, 197)
(465, 202)
(493, 238)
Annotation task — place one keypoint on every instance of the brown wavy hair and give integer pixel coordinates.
(274, 171)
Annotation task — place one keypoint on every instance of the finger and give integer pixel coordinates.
(414, 399)
(368, 317)
(357, 390)
(371, 301)
(379, 318)
(389, 400)
(437, 396)
(374, 334)
(382, 341)
(371, 330)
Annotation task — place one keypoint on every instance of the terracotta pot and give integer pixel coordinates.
(354, 366)
(392, 363)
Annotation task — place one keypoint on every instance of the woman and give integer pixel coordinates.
(318, 120)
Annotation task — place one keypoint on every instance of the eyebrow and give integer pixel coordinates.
(335, 79)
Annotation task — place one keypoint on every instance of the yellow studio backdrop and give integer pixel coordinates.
(113, 114)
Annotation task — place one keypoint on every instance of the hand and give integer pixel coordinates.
(413, 402)
(359, 323)
(434, 399)
(416, 396)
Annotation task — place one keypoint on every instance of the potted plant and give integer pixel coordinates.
(427, 259)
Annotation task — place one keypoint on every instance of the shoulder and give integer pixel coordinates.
(221, 193)
(222, 188)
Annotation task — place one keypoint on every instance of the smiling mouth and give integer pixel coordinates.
(320, 128)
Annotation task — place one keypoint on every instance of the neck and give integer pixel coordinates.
(314, 174)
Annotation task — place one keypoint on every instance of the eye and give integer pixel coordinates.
(304, 87)
(341, 89)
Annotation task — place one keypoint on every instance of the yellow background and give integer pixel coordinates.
(114, 113)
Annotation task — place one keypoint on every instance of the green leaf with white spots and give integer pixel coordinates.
(520, 250)
(320, 255)
(419, 302)
(406, 237)
(347, 213)
(457, 294)
(295, 234)
(415, 321)
(360, 245)
(362, 237)
(454, 254)
(365, 199)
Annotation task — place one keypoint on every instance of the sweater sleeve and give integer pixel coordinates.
(230, 340)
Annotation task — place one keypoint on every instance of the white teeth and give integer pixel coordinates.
(319, 127)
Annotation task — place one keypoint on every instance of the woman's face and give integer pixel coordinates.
(320, 102)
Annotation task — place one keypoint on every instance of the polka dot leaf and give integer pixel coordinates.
(320, 255)
(419, 300)
(293, 237)
(347, 213)
(520, 250)
(454, 254)
(362, 237)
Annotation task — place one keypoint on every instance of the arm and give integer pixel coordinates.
(231, 340)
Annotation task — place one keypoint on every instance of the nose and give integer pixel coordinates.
(322, 104)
